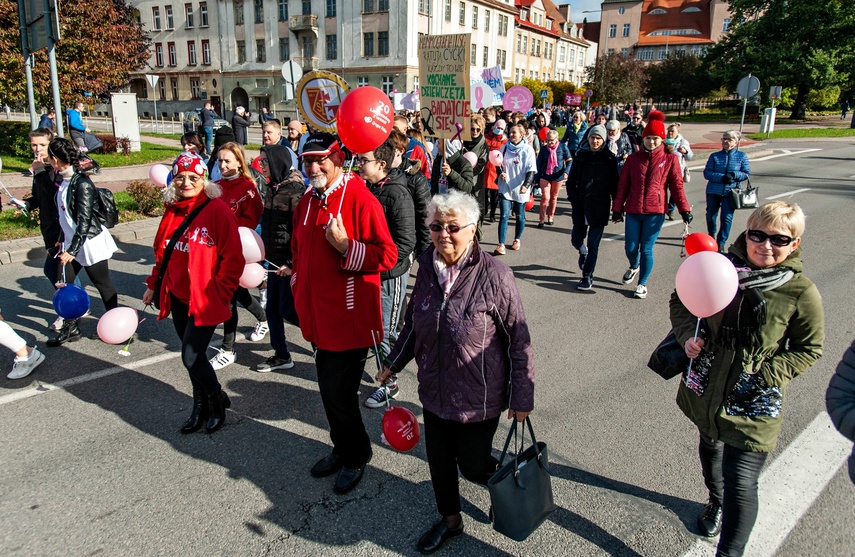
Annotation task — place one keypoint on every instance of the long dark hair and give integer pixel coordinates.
(65, 151)
(193, 139)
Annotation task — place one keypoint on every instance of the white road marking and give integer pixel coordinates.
(47, 387)
(770, 157)
(788, 193)
(788, 487)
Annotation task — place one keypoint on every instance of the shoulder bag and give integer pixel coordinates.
(521, 490)
(745, 198)
(669, 359)
(170, 247)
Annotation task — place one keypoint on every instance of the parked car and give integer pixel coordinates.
(193, 121)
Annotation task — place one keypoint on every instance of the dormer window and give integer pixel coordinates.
(658, 11)
(549, 24)
(524, 15)
(690, 10)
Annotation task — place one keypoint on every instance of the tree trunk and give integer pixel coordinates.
(800, 104)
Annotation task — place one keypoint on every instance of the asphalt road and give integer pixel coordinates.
(97, 466)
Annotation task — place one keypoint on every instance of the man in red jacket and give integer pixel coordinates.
(340, 244)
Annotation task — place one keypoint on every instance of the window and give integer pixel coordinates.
(259, 11)
(549, 24)
(517, 75)
(662, 33)
(383, 43)
(725, 25)
(486, 58)
(158, 55)
(473, 53)
(624, 52)
(361, 81)
(191, 53)
(332, 47)
(170, 20)
(503, 25)
(663, 53)
(533, 46)
(416, 83)
(562, 53)
(572, 59)
(162, 89)
(519, 43)
(657, 11)
(523, 15)
(283, 10)
(284, 49)
(462, 19)
(188, 16)
(612, 31)
(367, 6)
(260, 51)
(387, 84)
(238, 12)
(331, 10)
(621, 10)
(206, 52)
(487, 21)
(203, 14)
(308, 47)
(241, 52)
(610, 52)
(155, 18)
(447, 10)
(306, 6)
(474, 17)
(195, 89)
(690, 10)
(144, 90)
(383, 5)
(174, 83)
(501, 58)
(368, 44)
(173, 54)
(425, 7)
(626, 29)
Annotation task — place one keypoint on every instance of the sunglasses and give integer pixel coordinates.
(451, 228)
(758, 237)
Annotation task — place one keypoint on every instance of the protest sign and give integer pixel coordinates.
(444, 85)
(572, 100)
(493, 78)
(518, 99)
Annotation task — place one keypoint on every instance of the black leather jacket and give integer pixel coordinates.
(44, 199)
(85, 209)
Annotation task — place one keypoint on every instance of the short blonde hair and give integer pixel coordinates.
(478, 119)
(779, 215)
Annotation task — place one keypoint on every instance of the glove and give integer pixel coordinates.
(731, 177)
(617, 216)
(687, 217)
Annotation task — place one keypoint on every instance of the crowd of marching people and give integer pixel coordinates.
(343, 230)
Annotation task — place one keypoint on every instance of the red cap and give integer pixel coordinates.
(655, 124)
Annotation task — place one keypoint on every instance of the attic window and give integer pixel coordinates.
(689, 10)
(657, 11)
(523, 14)
(661, 33)
(549, 24)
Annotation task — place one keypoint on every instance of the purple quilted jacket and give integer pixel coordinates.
(473, 348)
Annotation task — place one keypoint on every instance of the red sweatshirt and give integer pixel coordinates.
(242, 197)
(338, 297)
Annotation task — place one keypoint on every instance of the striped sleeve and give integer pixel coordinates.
(355, 257)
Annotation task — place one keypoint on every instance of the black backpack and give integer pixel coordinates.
(109, 213)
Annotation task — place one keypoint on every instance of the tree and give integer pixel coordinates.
(101, 42)
(805, 44)
(678, 77)
(560, 89)
(616, 78)
(536, 86)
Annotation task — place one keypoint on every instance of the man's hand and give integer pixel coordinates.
(445, 169)
(337, 235)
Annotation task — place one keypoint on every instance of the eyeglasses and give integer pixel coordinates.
(308, 161)
(758, 237)
(728, 139)
(451, 228)
(181, 179)
(362, 161)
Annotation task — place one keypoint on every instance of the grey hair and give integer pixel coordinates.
(455, 201)
(551, 134)
(732, 133)
(212, 190)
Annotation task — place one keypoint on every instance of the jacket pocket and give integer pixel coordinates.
(752, 397)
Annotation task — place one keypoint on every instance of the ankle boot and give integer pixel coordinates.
(68, 333)
(217, 404)
(199, 414)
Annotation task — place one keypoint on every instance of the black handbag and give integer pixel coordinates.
(745, 198)
(669, 359)
(170, 247)
(521, 490)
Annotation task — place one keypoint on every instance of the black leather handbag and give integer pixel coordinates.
(521, 490)
(669, 359)
(745, 198)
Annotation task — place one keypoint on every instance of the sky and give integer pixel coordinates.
(578, 6)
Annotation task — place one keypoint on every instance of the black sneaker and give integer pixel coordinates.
(630, 275)
(582, 258)
(586, 283)
(273, 363)
(378, 397)
(709, 521)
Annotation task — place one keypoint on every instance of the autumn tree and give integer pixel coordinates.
(680, 76)
(560, 89)
(804, 44)
(616, 78)
(101, 42)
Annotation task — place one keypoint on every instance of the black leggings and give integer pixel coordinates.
(99, 274)
(731, 476)
(245, 299)
(194, 343)
(493, 203)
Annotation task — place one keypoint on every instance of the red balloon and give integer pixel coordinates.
(542, 133)
(401, 428)
(698, 241)
(364, 119)
(529, 205)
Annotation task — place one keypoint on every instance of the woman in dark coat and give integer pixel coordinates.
(240, 122)
(840, 401)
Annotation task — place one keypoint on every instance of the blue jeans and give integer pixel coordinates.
(641, 232)
(714, 203)
(505, 207)
(209, 138)
(280, 308)
(594, 235)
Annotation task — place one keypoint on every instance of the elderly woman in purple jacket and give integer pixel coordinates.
(466, 329)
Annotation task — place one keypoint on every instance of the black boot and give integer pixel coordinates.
(199, 414)
(68, 333)
(217, 404)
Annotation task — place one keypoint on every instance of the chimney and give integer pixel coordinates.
(564, 10)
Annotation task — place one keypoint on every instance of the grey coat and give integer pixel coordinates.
(840, 400)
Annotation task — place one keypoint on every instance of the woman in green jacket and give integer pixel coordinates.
(747, 354)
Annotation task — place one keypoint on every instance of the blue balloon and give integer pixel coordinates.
(71, 302)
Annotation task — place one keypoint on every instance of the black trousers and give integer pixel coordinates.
(451, 445)
(245, 299)
(339, 375)
(99, 274)
(491, 203)
(731, 476)
(194, 343)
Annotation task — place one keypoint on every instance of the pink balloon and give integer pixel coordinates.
(253, 275)
(471, 157)
(496, 158)
(158, 174)
(118, 325)
(253, 247)
(706, 283)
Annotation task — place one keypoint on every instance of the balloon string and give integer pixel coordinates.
(380, 370)
(697, 328)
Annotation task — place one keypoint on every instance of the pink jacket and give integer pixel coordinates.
(643, 183)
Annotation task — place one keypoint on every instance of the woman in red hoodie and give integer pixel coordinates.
(495, 138)
(195, 275)
(241, 195)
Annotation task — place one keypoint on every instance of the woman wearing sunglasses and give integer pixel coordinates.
(744, 358)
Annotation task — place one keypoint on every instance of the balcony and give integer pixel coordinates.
(307, 22)
(308, 63)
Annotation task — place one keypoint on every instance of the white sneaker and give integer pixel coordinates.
(223, 359)
(641, 291)
(630, 275)
(261, 330)
(57, 325)
(22, 367)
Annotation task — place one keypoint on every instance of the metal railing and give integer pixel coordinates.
(308, 63)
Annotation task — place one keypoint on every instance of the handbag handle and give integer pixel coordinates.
(519, 447)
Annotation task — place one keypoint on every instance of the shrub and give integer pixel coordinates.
(14, 139)
(149, 197)
(124, 145)
(110, 143)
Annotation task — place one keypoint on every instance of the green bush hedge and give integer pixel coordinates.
(14, 139)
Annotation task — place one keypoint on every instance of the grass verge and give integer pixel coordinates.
(149, 153)
(805, 132)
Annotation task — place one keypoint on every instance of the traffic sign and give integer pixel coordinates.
(292, 72)
(589, 93)
(152, 79)
(544, 93)
(775, 92)
(748, 86)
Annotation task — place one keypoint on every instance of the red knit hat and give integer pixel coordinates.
(655, 124)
